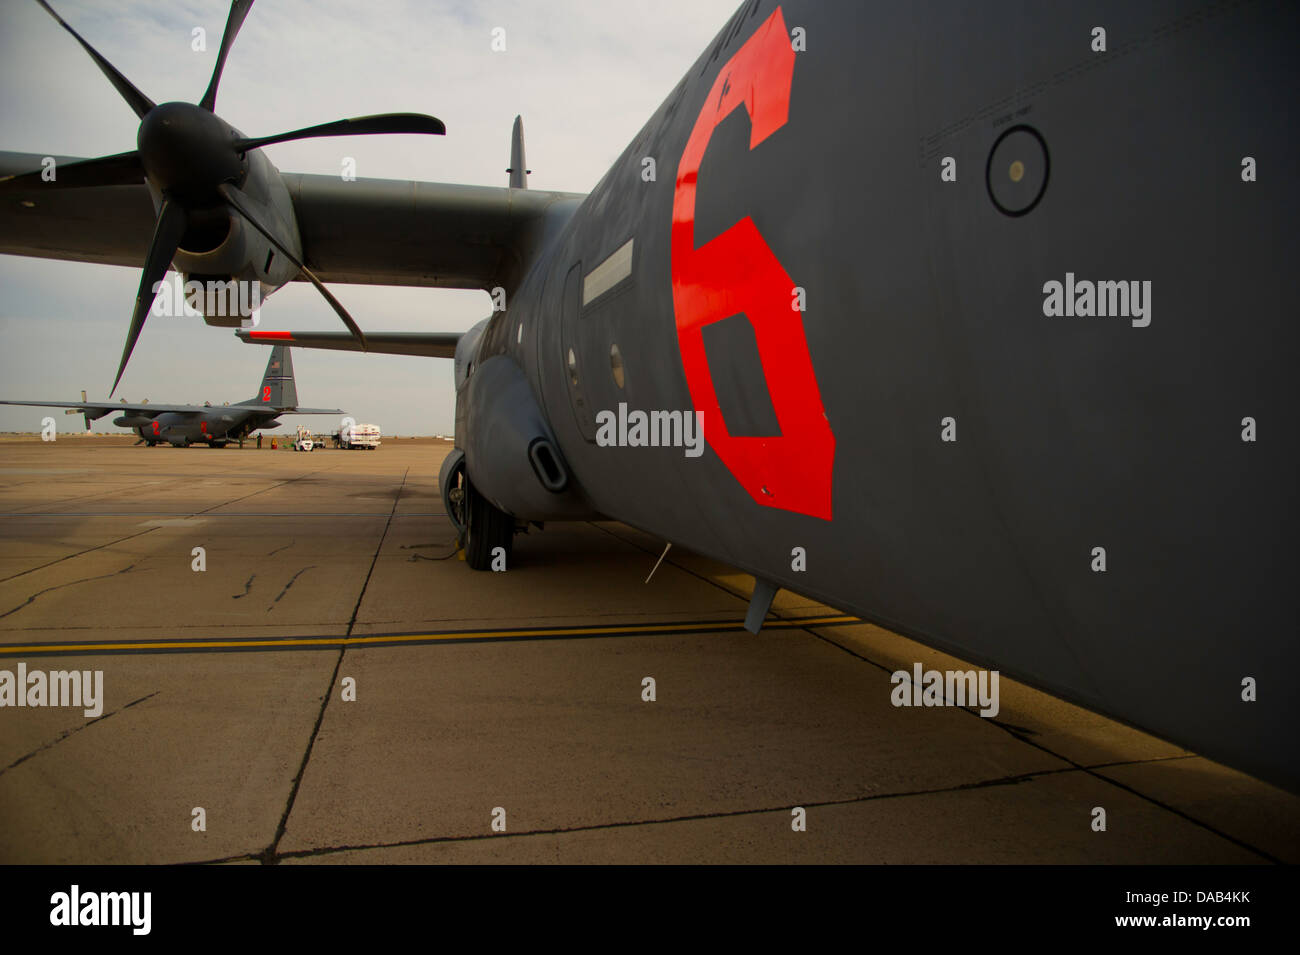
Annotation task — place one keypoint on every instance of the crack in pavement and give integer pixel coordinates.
(88, 550)
(1011, 780)
(288, 585)
(81, 580)
(66, 733)
(1014, 733)
(270, 855)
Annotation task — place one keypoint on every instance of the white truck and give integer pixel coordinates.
(357, 437)
(304, 441)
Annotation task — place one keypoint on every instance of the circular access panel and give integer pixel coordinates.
(1017, 170)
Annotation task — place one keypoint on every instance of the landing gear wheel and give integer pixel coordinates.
(486, 528)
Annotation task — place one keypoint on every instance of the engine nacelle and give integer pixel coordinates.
(234, 265)
(224, 301)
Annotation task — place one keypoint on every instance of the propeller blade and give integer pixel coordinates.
(134, 98)
(122, 169)
(238, 10)
(238, 201)
(166, 240)
(360, 126)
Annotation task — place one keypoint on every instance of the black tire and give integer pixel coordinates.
(487, 528)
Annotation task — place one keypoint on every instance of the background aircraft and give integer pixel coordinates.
(844, 259)
(213, 425)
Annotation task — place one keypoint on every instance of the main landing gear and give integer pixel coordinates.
(482, 525)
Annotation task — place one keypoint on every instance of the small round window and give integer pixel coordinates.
(616, 364)
(573, 368)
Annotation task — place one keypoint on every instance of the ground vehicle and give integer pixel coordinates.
(304, 440)
(357, 436)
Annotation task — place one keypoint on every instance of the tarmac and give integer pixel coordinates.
(335, 686)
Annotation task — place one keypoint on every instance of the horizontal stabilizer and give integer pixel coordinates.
(428, 344)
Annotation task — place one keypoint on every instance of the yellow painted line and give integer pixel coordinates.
(323, 642)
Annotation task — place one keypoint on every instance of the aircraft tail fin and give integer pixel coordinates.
(518, 165)
(278, 389)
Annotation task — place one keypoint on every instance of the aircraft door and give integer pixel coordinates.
(574, 371)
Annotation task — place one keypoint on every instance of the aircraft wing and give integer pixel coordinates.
(111, 225)
(367, 231)
(97, 409)
(309, 411)
(429, 344)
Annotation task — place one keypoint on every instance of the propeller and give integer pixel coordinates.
(166, 240)
(238, 10)
(361, 126)
(197, 162)
(134, 98)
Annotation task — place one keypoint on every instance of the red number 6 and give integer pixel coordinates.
(738, 272)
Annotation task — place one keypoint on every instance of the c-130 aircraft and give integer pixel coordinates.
(213, 426)
(901, 264)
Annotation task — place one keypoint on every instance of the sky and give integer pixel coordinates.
(584, 74)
